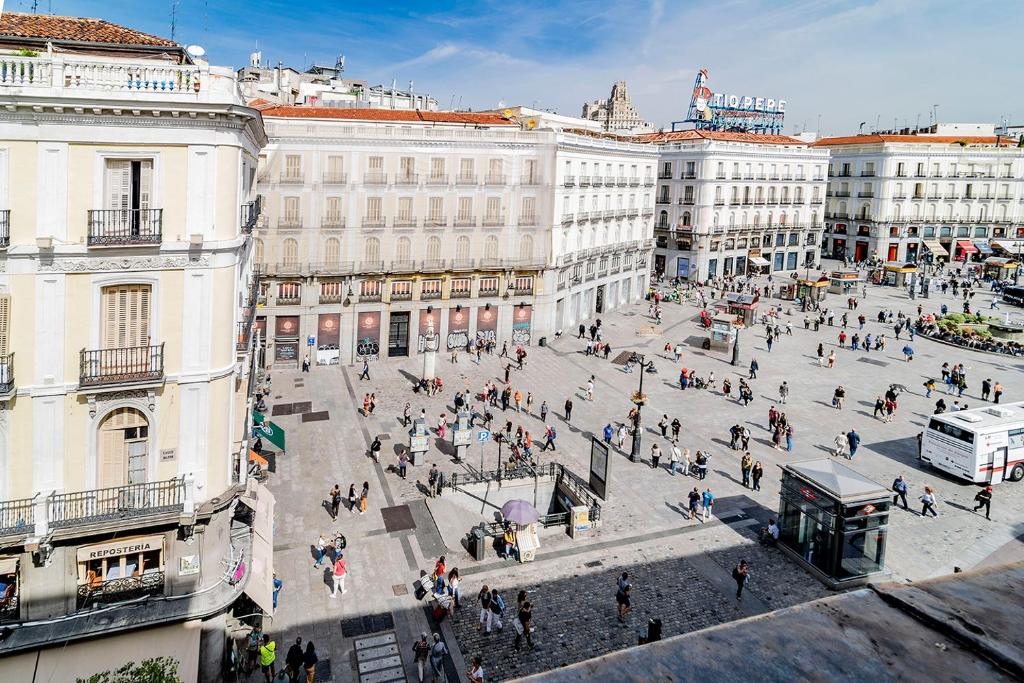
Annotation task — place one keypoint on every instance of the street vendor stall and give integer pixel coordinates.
(812, 290)
(743, 306)
(896, 274)
(844, 282)
(999, 268)
(722, 333)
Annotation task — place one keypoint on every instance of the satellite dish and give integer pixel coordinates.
(195, 50)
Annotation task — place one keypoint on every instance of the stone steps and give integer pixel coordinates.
(378, 659)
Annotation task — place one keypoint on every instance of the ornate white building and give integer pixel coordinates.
(126, 303)
(733, 203)
(954, 191)
(492, 226)
(617, 114)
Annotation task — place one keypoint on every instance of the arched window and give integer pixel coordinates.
(434, 247)
(896, 211)
(732, 219)
(371, 249)
(462, 248)
(526, 247)
(686, 218)
(257, 251)
(332, 251)
(757, 218)
(663, 218)
(771, 218)
(714, 220)
(814, 218)
(782, 218)
(403, 249)
(491, 247)
(289, 252)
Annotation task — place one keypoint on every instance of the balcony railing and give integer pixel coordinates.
(249, 214)
(120, 590)
(375, 178)
(128, 365)
(332, 222)
(493, 221)
(530, 180)
(465, 179)
(569, 181)
(435, 222)
(634, 181)
(335, 178)
(68, 73)
(291, 178)
(406, 222)
(289, 222)
(5, 228)
(331, 298)
(465, 221)
(438, 179)
(17, 516)
(407, 179)
(373, 222)
(433, 265)
(124, 227)
(648, 182)
(463, 264)
(584, 181)
(495, 179)
(116, 503)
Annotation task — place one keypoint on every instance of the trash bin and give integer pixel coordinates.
(477, 543)
(543, 341)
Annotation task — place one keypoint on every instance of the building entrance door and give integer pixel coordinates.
(861, 252)
(398, 335)
(599, 304)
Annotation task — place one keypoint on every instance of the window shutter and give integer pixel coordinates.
(119, 184)
(126, 312)
(5, 322)
(146, 184)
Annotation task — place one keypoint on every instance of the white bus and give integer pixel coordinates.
(981, 445)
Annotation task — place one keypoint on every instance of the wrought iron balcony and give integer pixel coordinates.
(466, 179)
(437, 179)
(116, 503)
(332, 222)
(493, 221)
(128, 365)
(530, 179)
(648, 182)
(291, 177)
(495, 179)
(584, 181)
(406, 222)
(465, 221)
(435, 222)
(335, 178)
(124, 227)
(375, 178)
(407, 179)
(98, 593)
(249, 214)
(17, 516)
(569, 181)
(373, 222)
(5, 228)
(634, 181)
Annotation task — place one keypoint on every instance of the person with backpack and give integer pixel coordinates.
(549, 439)
(740, 574)
(486, 615)
(497, 608)
(524, 625)
(375, 446)
(421, 652)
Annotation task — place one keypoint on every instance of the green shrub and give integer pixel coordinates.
(158, 670)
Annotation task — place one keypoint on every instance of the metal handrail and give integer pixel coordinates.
(121, 365)
(116, 502)
(119, 227)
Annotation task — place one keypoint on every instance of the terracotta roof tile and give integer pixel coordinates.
(79, 29)
(916, 139)
(399, 115)
(679, 135)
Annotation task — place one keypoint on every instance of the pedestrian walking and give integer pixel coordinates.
(305, 363)
(693, 499)
(544, 411)
(753, 368)
(568, 409)
(984, 500)
(702, 465)
(838, 396)
(475, 673)
(293, 661)
(746, 465)
(997, 391)
(783, 392)
(676, 427)
(338, 575)
(486, 615)
(853, 440)
(789, 437)
(524, 625)
(309, 661)
(663, 426)
(364, 498)
(497, 609)
(421, 652)
(928, 502)
(707, 502)
(365, 373)
(673, 462)
(277, 584)
(438, 651)
(740, 574)
(335, 501)
(268, 657)
(655, 456)
(321, 548)
(623, 602)
(590, 388)
(899, 488)
(755, 475)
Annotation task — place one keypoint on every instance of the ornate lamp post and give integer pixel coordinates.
(639, 399)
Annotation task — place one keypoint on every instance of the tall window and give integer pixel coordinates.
(332, 252)
(290, 215)
(129, 184)
(332, 216)
(403, 249)
(434, 248)
(335, 172)
(375, 164)
(437, 168)
(371, 250)
(407, 168)
(465, 208)
(491, 247)
(466, 173)
(374, 211)
(126, 314)
(528, 213)
(462, 248)
(257, 251)
(436, 208)
(290, 252)
(405, 208)
(293, 167)
(494, 170)
(526, 247)
(530, 171)
(493, 208)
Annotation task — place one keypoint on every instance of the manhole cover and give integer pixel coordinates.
(282, 409)
(303, 407)
(371, 623)
(400, 589)
(316, 417)
(872, 361)
(397, 518)
(384, 437)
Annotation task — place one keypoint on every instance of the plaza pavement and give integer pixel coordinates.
(680, 567)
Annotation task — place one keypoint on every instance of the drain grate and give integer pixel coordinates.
(282, 409)
(880, 363)
(316, 417)
(400, 589)
(302, 407)
(622, 358)
(371, 623)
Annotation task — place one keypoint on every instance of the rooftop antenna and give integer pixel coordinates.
(935, 114)
(174, 16)
(860, 129)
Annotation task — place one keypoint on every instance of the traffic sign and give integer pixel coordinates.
(483, 435)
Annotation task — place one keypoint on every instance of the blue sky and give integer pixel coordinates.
(846, 60)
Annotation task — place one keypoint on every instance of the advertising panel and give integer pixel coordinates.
(487, 325)
(521, 317)
(368, 336)
(328, 337)
(458, 328)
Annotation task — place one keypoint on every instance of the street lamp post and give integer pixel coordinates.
(634, 451)
(736, 348)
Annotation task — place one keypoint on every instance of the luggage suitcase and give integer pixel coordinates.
(422, 586)
(439, 613)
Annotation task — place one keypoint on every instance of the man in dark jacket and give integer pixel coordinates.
(853, 438)
(293, 661)
(899, 487)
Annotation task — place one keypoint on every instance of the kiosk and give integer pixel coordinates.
(743, 306)
(999, 268)
(419, 440)
(722, 334)
(844, 282)
(834, 521)
(896, 274)
(813, 290)
(462, 435)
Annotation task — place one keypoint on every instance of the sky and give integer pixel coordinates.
(837, 63)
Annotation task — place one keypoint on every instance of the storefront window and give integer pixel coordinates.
(120, 570)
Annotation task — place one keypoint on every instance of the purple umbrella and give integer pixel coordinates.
(520, 512)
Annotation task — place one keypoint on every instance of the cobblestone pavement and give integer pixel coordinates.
(643, 503)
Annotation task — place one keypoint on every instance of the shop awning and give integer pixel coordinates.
(260, 586)
(1011, 246)
(268, 430)
(1000, 261)
(759, 261)
(935, 247)
(983, 246)
(967, 247)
